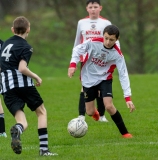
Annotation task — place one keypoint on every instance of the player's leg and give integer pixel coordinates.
(101, 109)
(2, 122)
(17, 130)
(116, 117)
(15, 106)
(35, 103)
(91, 110)
(106, 93)
(81, 106)
(42, 131)
(89, 96)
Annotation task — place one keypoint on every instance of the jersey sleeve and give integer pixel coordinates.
(78, 35)
(78, 51)
(26, 54)
(123, 76)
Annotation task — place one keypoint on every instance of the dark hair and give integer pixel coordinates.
(89, 1)
(112, 30)
(20, 25)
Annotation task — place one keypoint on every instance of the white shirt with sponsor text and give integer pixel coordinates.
(99, 64)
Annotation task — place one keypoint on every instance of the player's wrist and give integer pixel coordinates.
(72, 65)
(128, 99)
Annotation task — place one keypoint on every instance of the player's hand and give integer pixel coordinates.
(130, 105)
(71, 72)
(38, 81)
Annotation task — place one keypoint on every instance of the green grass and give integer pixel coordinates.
(102, 141)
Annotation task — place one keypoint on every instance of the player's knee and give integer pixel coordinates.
(41, 110)
(109, 107)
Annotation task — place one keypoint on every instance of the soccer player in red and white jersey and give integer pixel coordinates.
(102, 57)
(91, 26)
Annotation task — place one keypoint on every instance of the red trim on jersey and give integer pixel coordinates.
(128, 99)
(102, 17)
(81, 57)
(85, 60)
(98, 17)
(109, 76)
(81, 40)
(111, 70)
(72, 65)
(99, 39)
(82, 64)
(85, 17)
(118, 49)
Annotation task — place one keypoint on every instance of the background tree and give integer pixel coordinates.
(56, 21)
(135, 24)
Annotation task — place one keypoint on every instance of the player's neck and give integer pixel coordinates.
(22, 35)
(93, 17)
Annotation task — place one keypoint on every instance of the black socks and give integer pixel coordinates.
(117, 118)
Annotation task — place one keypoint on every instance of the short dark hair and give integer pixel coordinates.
(20, 25)
(112, 30)
(92, 1)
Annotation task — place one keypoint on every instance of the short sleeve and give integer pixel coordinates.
(26, 55)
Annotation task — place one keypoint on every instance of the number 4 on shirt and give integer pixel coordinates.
(6, 52)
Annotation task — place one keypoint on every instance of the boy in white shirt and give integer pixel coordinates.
(91, 26)
(102, 57)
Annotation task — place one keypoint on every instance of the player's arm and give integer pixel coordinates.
(25, 71)
(72, 67)
(78, 35)
(125, 83)
(79, 50)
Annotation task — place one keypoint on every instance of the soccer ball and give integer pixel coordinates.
(77, 128)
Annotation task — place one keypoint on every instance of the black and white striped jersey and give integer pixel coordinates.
(13, 51)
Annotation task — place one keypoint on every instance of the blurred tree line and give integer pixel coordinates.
(137, 20)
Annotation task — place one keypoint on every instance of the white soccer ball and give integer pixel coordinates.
(77, 128)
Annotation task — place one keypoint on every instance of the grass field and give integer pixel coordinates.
(102, 141)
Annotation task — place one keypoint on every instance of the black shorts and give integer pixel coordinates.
(16, 98)
(105, 88)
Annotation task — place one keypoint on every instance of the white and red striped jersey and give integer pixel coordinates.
(99, 64)
(90, 28)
